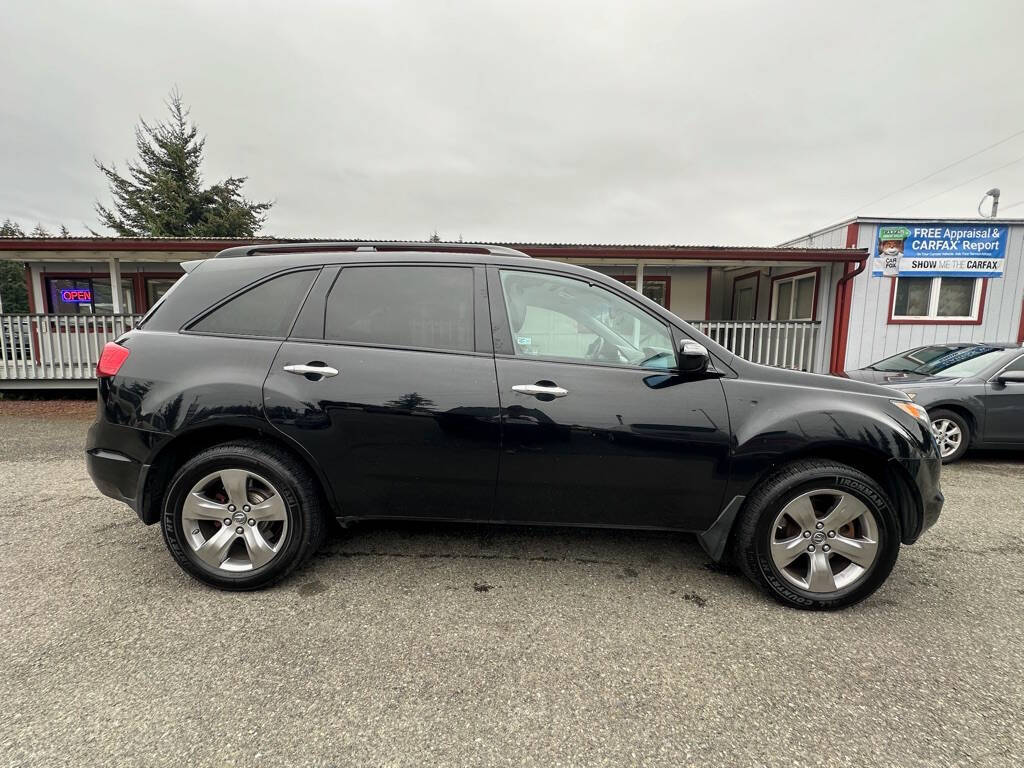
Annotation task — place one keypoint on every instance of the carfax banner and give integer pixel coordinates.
(939, 249)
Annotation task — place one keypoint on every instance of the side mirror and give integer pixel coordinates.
(693, 357)
(1011, 377)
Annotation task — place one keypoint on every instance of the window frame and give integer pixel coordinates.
(812, 273)
(46, 277)
(666, 280)
(977, 304)
(502, 331)
(318, 298)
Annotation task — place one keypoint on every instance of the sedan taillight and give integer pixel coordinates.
(111, 360)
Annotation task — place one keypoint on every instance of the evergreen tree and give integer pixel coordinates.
(40, 231)
(162, 195)
(64, 231)
(12, 275)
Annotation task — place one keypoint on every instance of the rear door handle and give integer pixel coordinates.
(312, 370)
(538, 389)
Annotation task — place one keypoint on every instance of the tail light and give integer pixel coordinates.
(111, 360)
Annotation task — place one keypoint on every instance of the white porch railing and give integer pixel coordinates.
(781, 344)
(56, 347)
(67, 347)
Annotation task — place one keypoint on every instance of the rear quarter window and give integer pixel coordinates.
(267, 309)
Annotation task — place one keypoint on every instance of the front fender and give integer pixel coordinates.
(776, 424)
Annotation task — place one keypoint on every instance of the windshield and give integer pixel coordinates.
(963, 362)
(911, 360)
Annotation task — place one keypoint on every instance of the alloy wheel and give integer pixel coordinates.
(824, 540)
(948, 436)
(234, 520)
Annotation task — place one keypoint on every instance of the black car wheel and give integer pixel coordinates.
(242, 516)
(952, 434)
(818, 535)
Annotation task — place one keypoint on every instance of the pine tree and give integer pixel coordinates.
(163, 195)
(40, 231)
(64, 231)
(12, 275)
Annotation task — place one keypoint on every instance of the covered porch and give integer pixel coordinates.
(769, 305)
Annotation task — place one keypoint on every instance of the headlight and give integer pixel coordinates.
(915, 410)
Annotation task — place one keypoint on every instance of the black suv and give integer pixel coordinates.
(274, 387)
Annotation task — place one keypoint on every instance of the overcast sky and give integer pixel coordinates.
(629, 122)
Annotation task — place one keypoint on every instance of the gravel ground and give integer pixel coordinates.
(424, 645)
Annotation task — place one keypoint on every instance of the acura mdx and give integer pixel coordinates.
(275, 387)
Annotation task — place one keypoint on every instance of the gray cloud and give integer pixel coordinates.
(653, 122)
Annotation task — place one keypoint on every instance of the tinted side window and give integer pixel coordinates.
(266, 310)
(427, 307)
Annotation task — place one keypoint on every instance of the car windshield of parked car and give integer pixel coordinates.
(911, 360)
(969, 361)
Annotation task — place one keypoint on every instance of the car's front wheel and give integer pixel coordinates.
(242, 515)
(818, 535)
(952, 434)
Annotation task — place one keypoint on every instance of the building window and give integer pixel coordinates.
(655, 287)
(937, 298)
(156, 287)
(793, 297)
(86, 296)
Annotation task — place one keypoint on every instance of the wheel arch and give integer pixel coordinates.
(176, 451)
(888, 473)
(964, 412)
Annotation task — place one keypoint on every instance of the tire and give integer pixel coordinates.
(952, 433)
(767, 534)
(253, 553)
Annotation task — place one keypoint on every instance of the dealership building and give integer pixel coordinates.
(835, 299)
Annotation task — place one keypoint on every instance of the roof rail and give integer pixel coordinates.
(368, 245)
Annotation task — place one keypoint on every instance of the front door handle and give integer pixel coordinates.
(540, 389)
(313, 369)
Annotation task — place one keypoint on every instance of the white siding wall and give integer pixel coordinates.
(871, 338)
(688, 292)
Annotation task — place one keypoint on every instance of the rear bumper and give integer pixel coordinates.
(116, 475)
(115, 458)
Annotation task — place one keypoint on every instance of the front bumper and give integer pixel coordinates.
(924, 479)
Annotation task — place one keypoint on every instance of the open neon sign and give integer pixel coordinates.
(76, 295)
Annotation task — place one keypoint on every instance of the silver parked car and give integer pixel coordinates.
(974, 392)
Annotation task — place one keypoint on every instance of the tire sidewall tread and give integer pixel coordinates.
(753, 531)
(306, 524)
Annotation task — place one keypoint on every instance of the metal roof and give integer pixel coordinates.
(899, 220)
(211, 245)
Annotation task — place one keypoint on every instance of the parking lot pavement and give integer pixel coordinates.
(428, 645)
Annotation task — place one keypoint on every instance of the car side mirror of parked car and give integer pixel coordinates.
(693, 357)
(1011, 377)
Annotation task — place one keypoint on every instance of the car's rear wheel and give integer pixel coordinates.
(952, 434)
(242, 515)
(818, 535)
